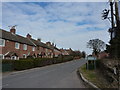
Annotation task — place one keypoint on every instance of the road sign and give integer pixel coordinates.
(91, 58)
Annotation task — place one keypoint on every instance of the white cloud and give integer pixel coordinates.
(58, 22)
(54, 0)
(0, 13)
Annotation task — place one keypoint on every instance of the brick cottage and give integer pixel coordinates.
(13, 46)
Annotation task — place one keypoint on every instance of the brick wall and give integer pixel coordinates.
(10, 47)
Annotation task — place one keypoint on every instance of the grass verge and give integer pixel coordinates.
(94, 76)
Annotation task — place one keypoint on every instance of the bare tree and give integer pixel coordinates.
(97, 45)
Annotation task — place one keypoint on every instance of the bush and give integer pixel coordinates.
(7, 65)
(23, 64)
(7, 61)
(28, 63)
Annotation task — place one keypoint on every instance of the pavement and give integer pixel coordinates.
(53, 76)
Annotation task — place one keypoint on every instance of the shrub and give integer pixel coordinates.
(7, 65)
(28, 63)
(7, 61)
(23, 64)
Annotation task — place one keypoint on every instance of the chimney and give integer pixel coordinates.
(28, 36)
(13, 30)
(48, 43)
(39, 39)
(55, 45)
(52, 44)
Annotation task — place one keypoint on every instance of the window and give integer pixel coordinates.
(17, 45)
(13, 58)
(24, 47)
(33, 49)
(1, 56)
(46, 50)
(2, 42)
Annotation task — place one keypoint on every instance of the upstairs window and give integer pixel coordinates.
(17, 45)
(24, 47)
(2, 42)
(33, 49)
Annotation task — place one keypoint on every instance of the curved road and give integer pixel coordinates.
(54, 76)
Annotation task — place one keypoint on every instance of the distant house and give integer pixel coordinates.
(64, 52)
(103, 55)
(69, 51)
(55, 50)
(42, 50)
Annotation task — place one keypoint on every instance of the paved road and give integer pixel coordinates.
(54, 76)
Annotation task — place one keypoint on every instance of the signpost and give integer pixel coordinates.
(91, 59)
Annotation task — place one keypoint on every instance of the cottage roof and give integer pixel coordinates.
(38, 43)
(14, 37)
(17, 38)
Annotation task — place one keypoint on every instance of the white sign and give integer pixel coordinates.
(91, 58)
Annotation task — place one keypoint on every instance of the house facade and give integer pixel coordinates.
(64, 51)
(13, 46)
(55, 51)
(103, 55)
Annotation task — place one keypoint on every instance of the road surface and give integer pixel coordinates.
(53, 76)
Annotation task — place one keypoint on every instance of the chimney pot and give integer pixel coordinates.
(13, 30)
(48, 43)
(39, 39)
(28, 36)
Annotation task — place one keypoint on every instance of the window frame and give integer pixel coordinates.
(33, 48)
(24, 46)
(18, 45)
(3, 42)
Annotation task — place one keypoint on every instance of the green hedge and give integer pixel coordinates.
(7, 65)
(23, 64)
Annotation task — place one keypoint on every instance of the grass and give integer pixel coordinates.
(95, 77)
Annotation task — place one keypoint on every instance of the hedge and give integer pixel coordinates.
(23, 64)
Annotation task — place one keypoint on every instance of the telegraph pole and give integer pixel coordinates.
(111, 30)
(117, 52)
(116, 13)
(112, 19)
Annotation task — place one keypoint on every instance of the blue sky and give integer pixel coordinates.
(68, 24)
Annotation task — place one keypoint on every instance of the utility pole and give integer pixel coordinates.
(117, 30)
(116, 13)
(117, 37)
(112, 20)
